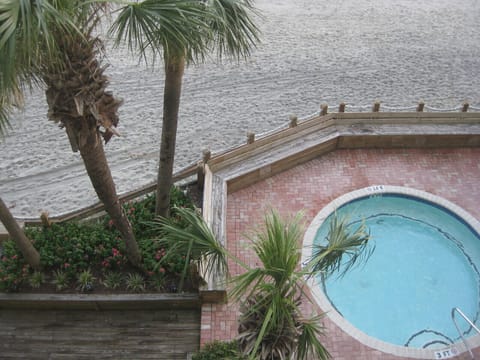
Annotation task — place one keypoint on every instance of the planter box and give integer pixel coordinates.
(81, 326)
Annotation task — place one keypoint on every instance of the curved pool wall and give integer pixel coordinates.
(338, 319)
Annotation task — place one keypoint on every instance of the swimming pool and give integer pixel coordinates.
(426, 261)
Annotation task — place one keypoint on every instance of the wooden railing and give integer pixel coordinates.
(252, 140)
(98, 207)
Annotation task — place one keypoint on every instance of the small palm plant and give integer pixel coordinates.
(113, 280)
(135, 282)
(271, 323)
(60, 280)
(85, 281)
(36, 279)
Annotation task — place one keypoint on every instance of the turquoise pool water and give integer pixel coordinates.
(425, 262)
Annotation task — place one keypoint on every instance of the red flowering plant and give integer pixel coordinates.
(139, 213)
(70, 248)
(13, 269)
(114, 261)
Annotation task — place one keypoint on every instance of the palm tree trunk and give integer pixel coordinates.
(95, 161)
(31, 255)
(174, 68)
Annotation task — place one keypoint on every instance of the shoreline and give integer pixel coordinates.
(312, 53)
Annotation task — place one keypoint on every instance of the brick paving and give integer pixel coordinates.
(453, 174)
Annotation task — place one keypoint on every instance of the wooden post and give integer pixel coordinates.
(420, 106)
(341, 107)
(465, 106)
(250, 137)
(376, 106)
(323, 109)
(46, 222)
(293, 121)
(206, 155)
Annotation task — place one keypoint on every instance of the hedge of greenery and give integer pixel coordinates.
(87, 256)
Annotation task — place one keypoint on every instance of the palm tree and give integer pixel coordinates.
(183, 31)
(52, 43)
(31, 255)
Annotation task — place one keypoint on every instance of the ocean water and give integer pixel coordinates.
(312, 52)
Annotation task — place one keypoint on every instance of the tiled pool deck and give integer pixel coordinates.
(453, 174)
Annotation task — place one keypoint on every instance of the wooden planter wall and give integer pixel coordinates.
(99, 327)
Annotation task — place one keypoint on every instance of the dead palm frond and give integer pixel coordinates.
(309, 339)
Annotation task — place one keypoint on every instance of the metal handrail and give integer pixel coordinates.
(456, 309)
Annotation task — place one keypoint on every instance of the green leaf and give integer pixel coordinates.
(344, 248)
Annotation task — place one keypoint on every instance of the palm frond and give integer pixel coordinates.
(189, 28)
(247, 283)
(7, 104)
(344, 249)
(4, 122)
(278, 246)
(177, 28)
(308, 341)
(234, 29)
(28, 39)
(196, 240)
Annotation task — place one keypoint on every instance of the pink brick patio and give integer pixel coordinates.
(453, 174)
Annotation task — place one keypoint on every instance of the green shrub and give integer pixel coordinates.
(60, 280)
(179, 199)
(85, 281)
(72, 248)
(13, 269)
(219, 350)
(113, 280)
(157, 282)
(135, 282)
(141, 213)
(36, 279)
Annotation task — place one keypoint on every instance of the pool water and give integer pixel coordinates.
(425, 262)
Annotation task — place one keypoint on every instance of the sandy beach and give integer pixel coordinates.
(312, 52)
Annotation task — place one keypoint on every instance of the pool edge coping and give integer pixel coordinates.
(323, 302)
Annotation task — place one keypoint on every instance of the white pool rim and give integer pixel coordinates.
(339, 320)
